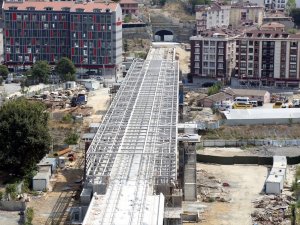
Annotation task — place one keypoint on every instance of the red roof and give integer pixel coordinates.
(57, 6)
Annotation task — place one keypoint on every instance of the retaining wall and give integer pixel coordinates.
(255, 142)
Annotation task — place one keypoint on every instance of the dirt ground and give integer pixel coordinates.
(52, 207)
(254, 132)
(246, 182)
(100, 101)
(184, 58)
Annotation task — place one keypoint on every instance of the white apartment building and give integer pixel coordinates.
(279, 4)
(214, 15)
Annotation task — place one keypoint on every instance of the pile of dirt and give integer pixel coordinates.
(210, 188)
(272, 209)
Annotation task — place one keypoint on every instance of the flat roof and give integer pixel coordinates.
(274, 179)
(279, 162)
(41, 176)
(58, 6)
(88, 136)
(277, 171)
(94, 125)
(259, 113)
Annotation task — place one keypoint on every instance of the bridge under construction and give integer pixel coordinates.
(132, 162)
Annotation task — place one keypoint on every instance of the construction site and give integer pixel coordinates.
(134, 171)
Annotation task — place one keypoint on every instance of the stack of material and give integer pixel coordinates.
(271, 209)
(211, 189)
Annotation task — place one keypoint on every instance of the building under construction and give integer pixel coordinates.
(132, 164)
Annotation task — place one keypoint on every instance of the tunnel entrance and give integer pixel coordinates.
(163, 35)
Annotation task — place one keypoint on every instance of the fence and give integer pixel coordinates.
(254, 142)
(12, 205)
(231, 160)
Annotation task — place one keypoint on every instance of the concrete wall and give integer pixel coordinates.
(137, 32)
(255, 142)
(231, 160)
(12, 205)
(235, 122)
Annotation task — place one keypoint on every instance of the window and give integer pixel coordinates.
(251, 43)
(293, 66)
(79, 10)
(197, 57)
(19, 17)
(46, 25)
(97, 10)
(66, 9)
(43, 17)
(220, 65)
(205, 64)
(212, 64)
(30, 8)
(85, 52)
(250, 65)
(250, 72)
(197, 64)
(29, 50)
(243, 65)
(7, 49)
(13, 8)
(206, 50)
(250, 57)
(206, 43)
(48, 8)
(17, 50)
(293, 59)
(250, 50)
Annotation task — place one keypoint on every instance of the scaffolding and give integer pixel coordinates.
(133, 155)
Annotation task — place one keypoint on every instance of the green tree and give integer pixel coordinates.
(1, 80)
(11, 190)
(214, 89)
(29, 215)
(24, 135)
(66, 69)
(72, 138)
(41, 71)
(4, 71)
(291, 4)
(295, 13)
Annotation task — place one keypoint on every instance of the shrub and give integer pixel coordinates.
(29, 216)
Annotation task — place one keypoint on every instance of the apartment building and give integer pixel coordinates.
(220, 15)
(213, 54)
(279, 4)
(129, 7)
(246, 13)
(268, 57)
(214, 15)
(89, 33)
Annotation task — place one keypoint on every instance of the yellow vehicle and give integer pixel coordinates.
(277, 105)
(242, 106)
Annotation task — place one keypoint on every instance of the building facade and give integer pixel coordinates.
(246, 13)
(279, 4)
(90, 34)
(222, 15)
(129, 7)
(268, 57)
(213, 54)
(214, 15)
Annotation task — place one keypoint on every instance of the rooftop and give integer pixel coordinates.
(273, 178)
(59, 6)
(245, 92)
(272, 25)
(249, 114)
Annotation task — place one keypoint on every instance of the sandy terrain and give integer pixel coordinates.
(99, 100)
(184, 59)
(246, 182)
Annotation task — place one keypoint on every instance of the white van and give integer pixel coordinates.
(241, 100)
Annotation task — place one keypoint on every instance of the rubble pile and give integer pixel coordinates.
(272, 210)
(211, 189)
(192, 98)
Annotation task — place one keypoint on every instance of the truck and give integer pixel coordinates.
(80, 99)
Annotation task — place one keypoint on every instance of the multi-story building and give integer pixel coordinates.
(220, 15)
(279, 4)
(213, 54)
(268, 57)
(214, 15)
(89, 33)
(246, 13)
(129, 7)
